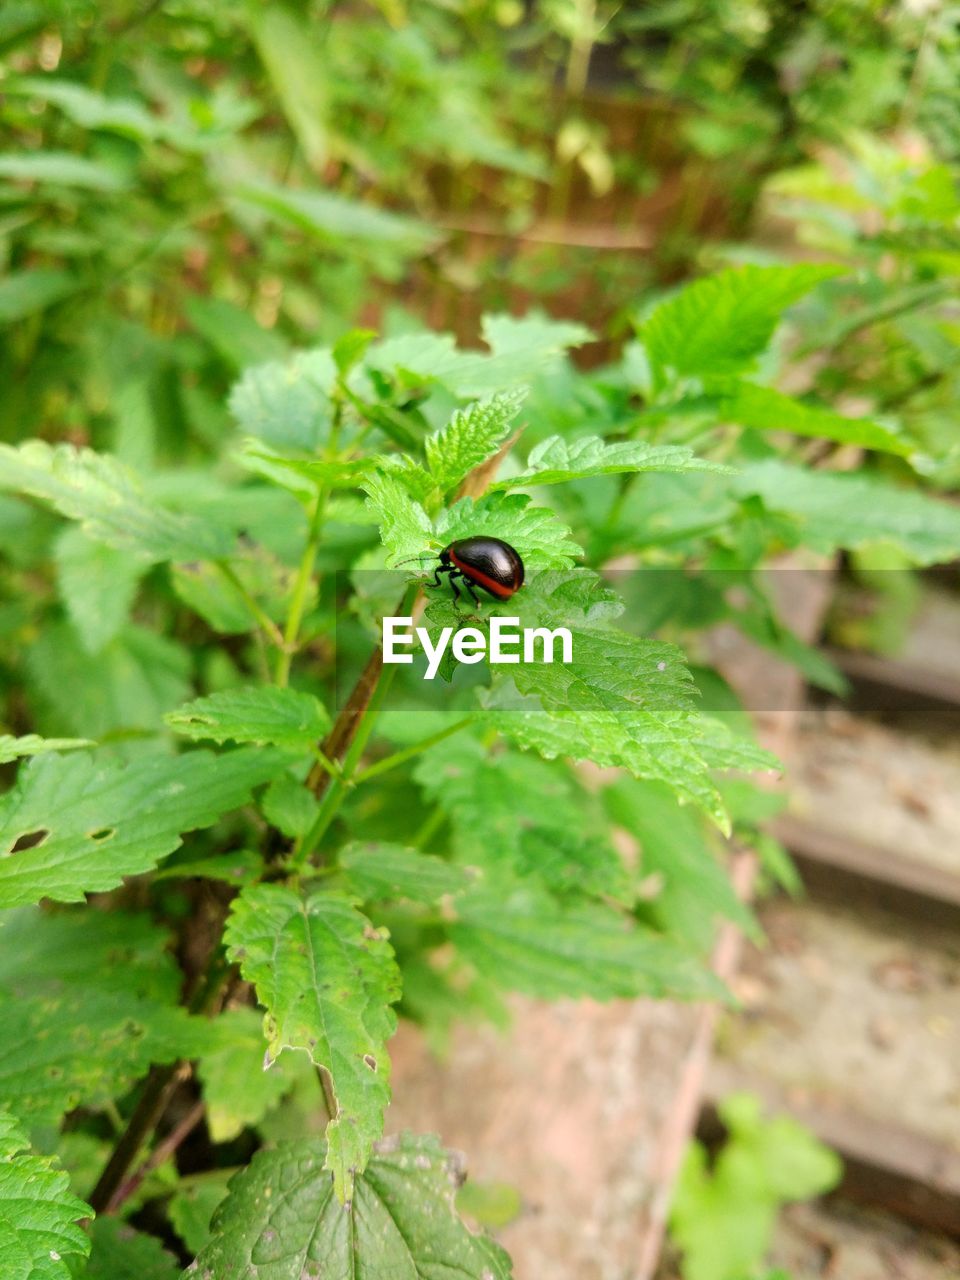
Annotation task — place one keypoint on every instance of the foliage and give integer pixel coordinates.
(208, 483)
(723, 1216)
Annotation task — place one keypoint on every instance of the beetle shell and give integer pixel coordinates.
(487, 562)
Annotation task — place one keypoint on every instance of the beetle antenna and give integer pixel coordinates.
(424, 555)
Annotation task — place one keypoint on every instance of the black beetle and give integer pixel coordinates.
(484, 562)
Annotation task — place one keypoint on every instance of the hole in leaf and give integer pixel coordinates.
(30, 840)
(370, 1061)
(102, 833)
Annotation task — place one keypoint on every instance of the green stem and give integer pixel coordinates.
(299, 602)
(401, 757)
(341, 784)
(267, 624)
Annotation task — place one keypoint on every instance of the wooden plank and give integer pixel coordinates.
(889, 682)
(886, 1165)
(830, 861)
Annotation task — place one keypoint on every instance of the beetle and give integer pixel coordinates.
(481, 561)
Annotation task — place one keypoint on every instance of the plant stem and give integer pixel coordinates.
(298, 603)
(157, 1090)
(339, 787)
(158, 1156)
(407, 753)
(270, 628)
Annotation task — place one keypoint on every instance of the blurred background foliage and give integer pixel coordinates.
(188, 188)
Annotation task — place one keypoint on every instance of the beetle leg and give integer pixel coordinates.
(454, 574)
(473, 594)
(441, 568)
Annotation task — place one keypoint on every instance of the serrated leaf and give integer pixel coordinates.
(766, 409)
(720, 324)
(97, 583)
(108, 950)
(526, 941)
(259, 713)
(127, 686)
(289, 806)
(94, 822)
(31, 744)
(379, 872)
(542, 540)
(287, 403)
(237, 1089)
(84, 1046)
(109, 502)
(40, 1236)
(470, 437)
(405, 528)
(853, 511)
(559, 839)
(327, 979)
(519, 349)
(119, 1252)
(674, 846)
(556, 461)
(303, 476)
(281, 1220)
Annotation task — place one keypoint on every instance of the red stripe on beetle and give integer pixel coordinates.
(495, 588)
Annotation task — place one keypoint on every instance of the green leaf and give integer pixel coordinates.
(108, 950)
(222, 604)
(519, 349)
(720, 324)
(724, 1219)
(556, 461)
(470, 437)
(233, 332)
(90, 109)
(853, 511)
(127, 686)
(332, 217)
(33, 745)
(259, 713)
(238, 1088)
(84, 1046)
(795, 1164)
(768, 410)
(193, 1206)
(622, 700)
(108, 500)
(378, 872)
(287, 403)
(298, 73)
(121, 1253)
(40, 1236)
(405, 528)
(61, 169)
(97, 583)
(327, 978)
(24, 293)
(542, 540)
(281, 1220)
(289, 806)
(303, 476)
(559, 841)
(674, 847)
(91, 823)
(526, 941)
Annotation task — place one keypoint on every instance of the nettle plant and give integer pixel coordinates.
(176, 917)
